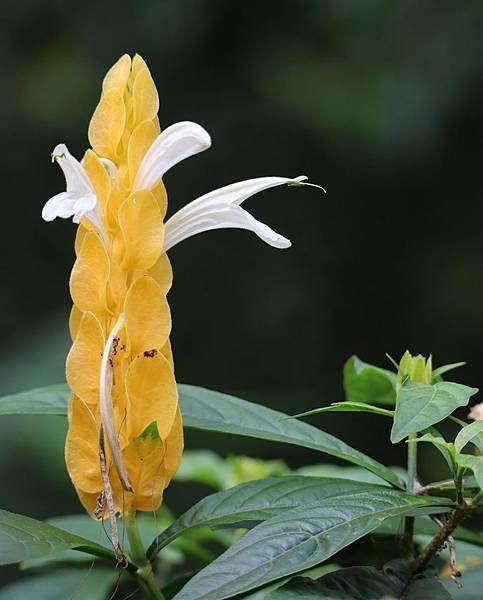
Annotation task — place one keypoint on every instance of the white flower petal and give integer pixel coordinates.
(174, 144)
(221, 209)
(80, 200)
(75, 175)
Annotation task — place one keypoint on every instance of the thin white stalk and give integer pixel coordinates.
(107, 409)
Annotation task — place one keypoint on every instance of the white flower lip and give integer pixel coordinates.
(173, 144)
(221, 209)
(79, 200)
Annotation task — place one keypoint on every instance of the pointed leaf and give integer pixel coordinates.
(470, 433)
(23, 538)
(255, 501)
(367, 383)
(445, 368)
(214, 411)
(50, 400)
(421, 405)
(299, 539)
(347, 406)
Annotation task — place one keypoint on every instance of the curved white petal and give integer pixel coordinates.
(174, 144)
(221, 209)
(79, 200)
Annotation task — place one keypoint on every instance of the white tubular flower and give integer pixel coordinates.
(79, 200)
(174, 144)
(221, 209)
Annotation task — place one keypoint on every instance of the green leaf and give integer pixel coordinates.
(366, 383)
(23, 538)
(50, 400)
(213, 411)
(470, 433)
(347, 472)
(420, 405)
(445, 368)
(447, 449)
(347, 406)
(475, 463)
(299, 539)
(92, 583)
(250, 503)
(363, 583)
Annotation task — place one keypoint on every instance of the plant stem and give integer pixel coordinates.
(138, 554)
(411, 480)
(435, 545)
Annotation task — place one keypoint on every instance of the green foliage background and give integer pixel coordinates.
(379, 102)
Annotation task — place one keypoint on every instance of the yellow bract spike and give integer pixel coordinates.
(84, 359)
(174, 447)
(118, 74)
(152, 394)
(142, 228)
(145, 99)
(148, 319)
(121, 276)
(141, 139)
(99, 177)
(89, 276)
(82, 448)
(107, 124)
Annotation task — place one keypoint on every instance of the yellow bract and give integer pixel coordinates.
(99, 177)
(120, 322)
(148, 319)
(107, 124)
(152, 395)
(84, 359)
(141, 224)
(88, 280)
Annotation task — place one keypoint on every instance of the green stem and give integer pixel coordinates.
(412, 469)
(144, 571)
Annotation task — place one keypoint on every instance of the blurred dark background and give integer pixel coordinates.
(380, 102)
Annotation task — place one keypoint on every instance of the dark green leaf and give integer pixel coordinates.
(93, 583)
(23, 538)
(363, 583)
(50, 400)
(213, 411)
(299, 539)
(256, 501)
(421, 405)
(347, 407)
(369, 384)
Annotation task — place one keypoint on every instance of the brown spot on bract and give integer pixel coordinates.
(150, 353)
